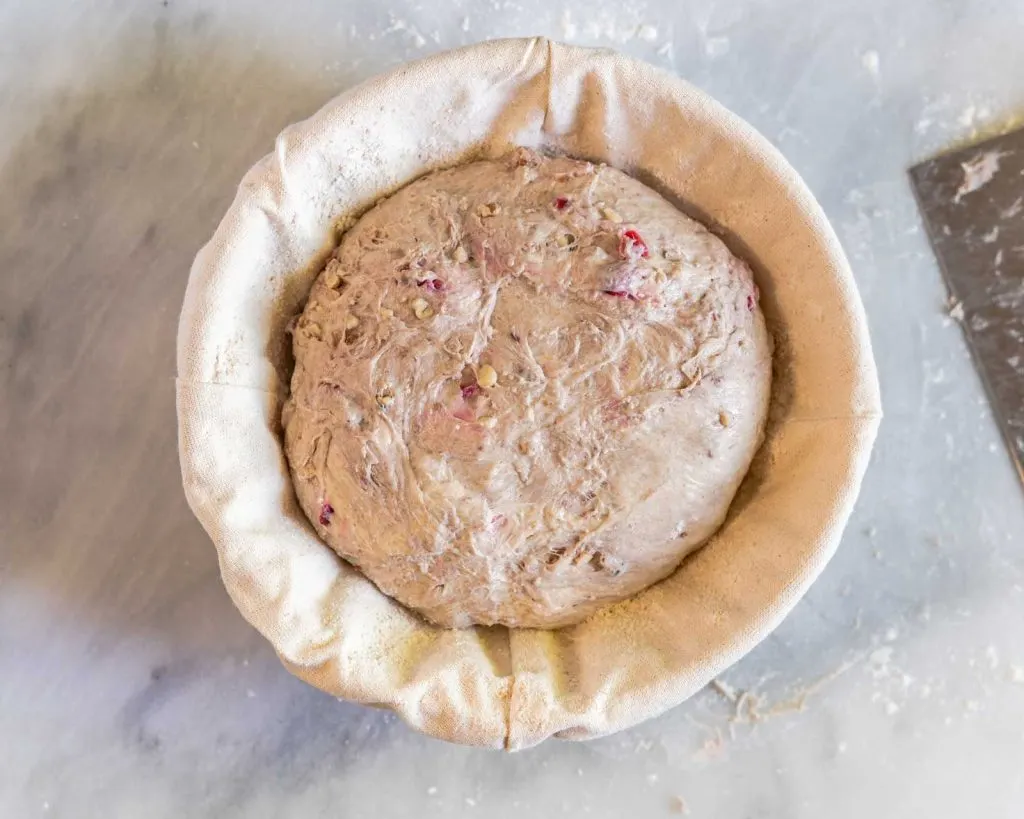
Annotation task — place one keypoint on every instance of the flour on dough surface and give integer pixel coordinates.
(524, 388)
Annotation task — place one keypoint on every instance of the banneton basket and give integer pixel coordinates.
(494, 686)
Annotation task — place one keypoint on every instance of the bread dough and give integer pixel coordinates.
(524, 388)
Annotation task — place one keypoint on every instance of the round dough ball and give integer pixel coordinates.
(524, 388)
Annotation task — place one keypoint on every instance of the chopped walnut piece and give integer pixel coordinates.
(421, 308)
(314, 330)
(487, 376)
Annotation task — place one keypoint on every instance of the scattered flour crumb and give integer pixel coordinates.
(716, 46)
(465, 24)
(991, 236)
(841, 748)
(1017, 674)
(470, 802)
(250, 693)
(891, 708)
(432, 790)
(891, 634)
(652, 779)
(647, 33)
(397, 25)
(568, 26)
(870, 61)
(679, 805)
(726, 690)
(714, 745)
(992, 655)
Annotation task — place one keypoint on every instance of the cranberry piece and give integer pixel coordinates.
(561, 203)
(632, 244)
(750, 303)
(435, 285)
(326, 513)
(470, 390)
(622, 294)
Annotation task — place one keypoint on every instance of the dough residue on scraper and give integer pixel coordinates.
(978, 172)
(524, 388)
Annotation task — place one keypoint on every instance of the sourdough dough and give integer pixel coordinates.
(524, 388)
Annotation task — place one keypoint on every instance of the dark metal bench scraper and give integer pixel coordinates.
(973, 205)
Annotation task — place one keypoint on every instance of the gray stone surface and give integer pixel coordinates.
(129, 686)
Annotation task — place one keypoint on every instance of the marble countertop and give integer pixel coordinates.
(129, 685)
